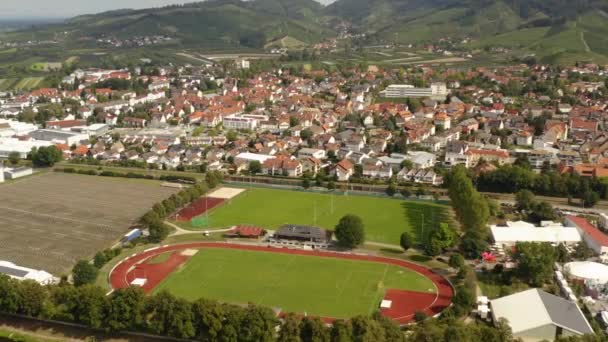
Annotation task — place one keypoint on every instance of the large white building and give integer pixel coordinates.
(520, 231)
(239, 122)
(24, 273)
(535, 315)
(8, 145)
(435, 91)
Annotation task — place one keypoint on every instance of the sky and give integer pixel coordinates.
(19, 9)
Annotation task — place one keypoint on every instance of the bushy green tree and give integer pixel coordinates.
(349, 231)
(84, 273)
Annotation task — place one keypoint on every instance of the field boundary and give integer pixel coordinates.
(125, 271)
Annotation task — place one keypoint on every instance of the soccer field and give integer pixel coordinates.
(384, 218)
(326, 287)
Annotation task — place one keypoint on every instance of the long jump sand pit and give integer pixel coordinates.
(226, 193)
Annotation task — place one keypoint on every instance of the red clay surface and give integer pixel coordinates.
(405, 303)
(198, 207)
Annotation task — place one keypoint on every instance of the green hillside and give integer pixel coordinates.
(229, 23)
(554, 30)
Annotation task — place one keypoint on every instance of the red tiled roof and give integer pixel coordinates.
(590, 230)
(247, 231)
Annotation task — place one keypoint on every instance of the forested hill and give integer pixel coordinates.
(222, 23)
(550, 28)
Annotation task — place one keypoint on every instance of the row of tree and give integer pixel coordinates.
(512, 178)
(163, 314)
(471, 209)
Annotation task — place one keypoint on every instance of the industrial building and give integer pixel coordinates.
(58, 136)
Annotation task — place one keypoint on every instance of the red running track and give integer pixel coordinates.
(405, 303)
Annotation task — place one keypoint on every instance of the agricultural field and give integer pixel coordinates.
(51, 220)
(7, 83)
(28, 83)
(384, 218)
(328, 287)
(45, 66)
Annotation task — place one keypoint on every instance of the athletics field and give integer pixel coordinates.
(326, 284)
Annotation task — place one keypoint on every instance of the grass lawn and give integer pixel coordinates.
(384, 218)
(321, 286)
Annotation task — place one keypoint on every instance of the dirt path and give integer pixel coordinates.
(587, 48)
(182, 231)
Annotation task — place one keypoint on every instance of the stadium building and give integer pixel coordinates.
(298, 233)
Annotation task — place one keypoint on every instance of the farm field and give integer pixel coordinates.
(50, 221)
(328, 287)
(384, 218)
(28, 83)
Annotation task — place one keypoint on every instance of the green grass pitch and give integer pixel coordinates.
(384, 218)
(326, 287)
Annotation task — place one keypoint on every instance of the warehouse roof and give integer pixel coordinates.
(535, 308)
(524, 231)
(307, 232)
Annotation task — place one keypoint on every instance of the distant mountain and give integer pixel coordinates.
(554, 29)
(220, 23)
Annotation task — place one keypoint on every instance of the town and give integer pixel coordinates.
(303, 171)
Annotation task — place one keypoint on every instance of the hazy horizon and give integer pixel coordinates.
(14, 10)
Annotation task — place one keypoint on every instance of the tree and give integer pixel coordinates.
(9, 296)
(349, 231)
(542, 211)
(290, 329)
(14, 158)
(45, 156)
(391, 189)
(313, 330)
(125, 309)
(470, 206)
(84, 273)
(589, 198)
(257, 324)
(100, 259)
(158, 231)
(366, 329)
(255, 167)
(33, 297)
(439, 238)
(341, 331)
(169, 316)
(535, 262)
(90, 306)
(405, 192)
(406, 241)
(524, 200)
(419, 316)
(456, 261)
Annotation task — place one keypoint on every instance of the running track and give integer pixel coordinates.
(405, 303)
